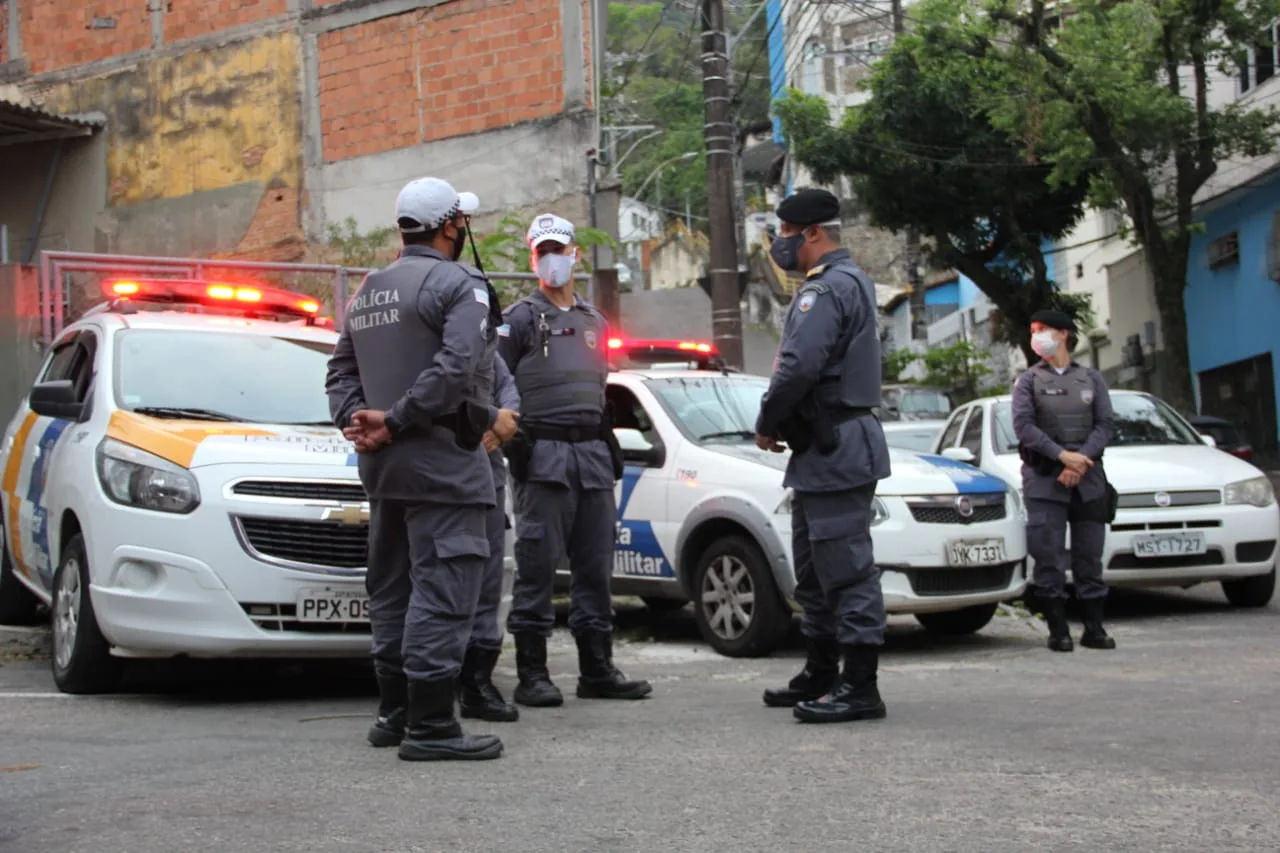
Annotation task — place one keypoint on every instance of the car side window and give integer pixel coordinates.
(60, 361)
(953, 429)
(972, 439)
(628, 413)
(81, 369)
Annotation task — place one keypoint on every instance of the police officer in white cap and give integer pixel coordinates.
(403, 384)
(564, 462)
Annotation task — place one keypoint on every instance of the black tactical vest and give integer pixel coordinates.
(561, 377)
(1064, 404)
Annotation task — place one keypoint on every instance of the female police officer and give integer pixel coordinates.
(1062, 417)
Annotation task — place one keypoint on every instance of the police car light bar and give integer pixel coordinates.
(639, 346)
(181, 291)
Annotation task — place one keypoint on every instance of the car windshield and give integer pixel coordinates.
(918, 439)
(222, 376)
(712, 408)
(1139, 420)
(918, 401)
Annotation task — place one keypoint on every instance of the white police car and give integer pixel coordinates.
(174, 486)
(704, 517)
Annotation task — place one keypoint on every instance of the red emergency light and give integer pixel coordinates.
(635, 353)
(248, 298)
(661, 345)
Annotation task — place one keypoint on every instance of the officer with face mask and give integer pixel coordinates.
(479, 697)
(1063, 419)
(402, 384)
(826, 380)
(564, 463)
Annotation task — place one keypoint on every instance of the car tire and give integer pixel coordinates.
(958, 623)
(738, 559)
(1251, 592)
(18, 604)
(82, 661)
(664, 605)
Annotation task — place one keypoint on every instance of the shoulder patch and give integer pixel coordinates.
(504, 331)
(482, 295)
(806, 300)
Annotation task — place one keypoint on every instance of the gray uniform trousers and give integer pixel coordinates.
(486, 633)
(1047, 523)
(837, 580)
(554, 521)
(426, 562)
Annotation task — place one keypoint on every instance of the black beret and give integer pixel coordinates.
(1054, 319)
(809, 207)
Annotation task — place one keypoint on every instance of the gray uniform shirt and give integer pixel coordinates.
(415, 339)
(831, 343)
(560, 361)
(1040, 395)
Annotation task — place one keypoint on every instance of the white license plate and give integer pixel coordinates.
(1168, 545)
(976, 552)
(332, 605)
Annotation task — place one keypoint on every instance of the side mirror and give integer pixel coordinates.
(637, 451)
(1209, 440)
(56, 399)
(959, 454)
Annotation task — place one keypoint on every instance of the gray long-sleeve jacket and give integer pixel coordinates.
(416, 336)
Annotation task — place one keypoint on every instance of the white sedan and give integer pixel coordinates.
(1187, 514)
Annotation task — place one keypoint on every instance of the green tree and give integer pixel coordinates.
(921, 153)
(1120, 93)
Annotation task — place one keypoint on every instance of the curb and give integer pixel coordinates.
(23, 642)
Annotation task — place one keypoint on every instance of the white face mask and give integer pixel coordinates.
(1044, 344)
(556, 270)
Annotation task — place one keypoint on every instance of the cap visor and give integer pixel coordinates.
(468, 202)
(553, 238)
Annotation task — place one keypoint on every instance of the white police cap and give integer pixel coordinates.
(548, 226)
(430, 202)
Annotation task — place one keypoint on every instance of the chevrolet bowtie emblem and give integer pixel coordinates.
(353, 514)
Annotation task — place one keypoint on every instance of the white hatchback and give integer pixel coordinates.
(1188, 513)
(704, 516)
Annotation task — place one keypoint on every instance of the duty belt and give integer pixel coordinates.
(840, 414)
(539, 432)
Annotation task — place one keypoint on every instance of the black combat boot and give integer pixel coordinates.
(1055, 614)
(432, 732)
(535, 688)
(388, 726)
(818, 676)
(478, 697)
(854, 697)
(599, 678)
(1094, 636)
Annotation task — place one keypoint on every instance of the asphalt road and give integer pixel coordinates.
(992, 743)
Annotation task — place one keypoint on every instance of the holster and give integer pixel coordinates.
(611, 439)
(519, 450)
(812, 424)
(1038, 462)
(472, 423)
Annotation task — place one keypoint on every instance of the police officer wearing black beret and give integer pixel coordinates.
(1063, 419)
(826, 381)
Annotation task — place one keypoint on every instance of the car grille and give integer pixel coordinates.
(943, 509)
(960, 581)
(1147, 500)
(329, 544)
(301, 490)
(281, 617)
(1204, 524)
(1212, 557)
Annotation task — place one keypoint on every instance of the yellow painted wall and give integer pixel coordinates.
(205, 120)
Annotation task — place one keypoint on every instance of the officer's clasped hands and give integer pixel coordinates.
(503, 430)
(368, 430)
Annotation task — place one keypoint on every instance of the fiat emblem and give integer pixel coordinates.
(964, 507)
(1163, 499)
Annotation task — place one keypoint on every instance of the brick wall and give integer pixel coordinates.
(57, 34)
(192, 18)
(449, 70)
(4, 30)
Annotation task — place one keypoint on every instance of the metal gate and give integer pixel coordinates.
(56, 269)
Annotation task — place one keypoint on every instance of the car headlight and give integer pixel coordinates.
(139, 479)
(879, 512)
(1254, 492)
(1019, 508)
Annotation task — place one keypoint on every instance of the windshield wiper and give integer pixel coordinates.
(309, 423)
(741, 433)
(193, 414)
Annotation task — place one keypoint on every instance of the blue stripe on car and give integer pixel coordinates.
(968, 479)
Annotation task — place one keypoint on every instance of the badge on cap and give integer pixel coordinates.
(589, 337)
(546, 222)
(806, 301)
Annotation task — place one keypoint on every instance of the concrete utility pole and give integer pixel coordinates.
(720, 134)
(919, 328)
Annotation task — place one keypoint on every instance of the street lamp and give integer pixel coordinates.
(664, 164)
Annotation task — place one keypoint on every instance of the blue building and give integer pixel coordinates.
(1233, 309)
